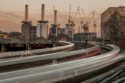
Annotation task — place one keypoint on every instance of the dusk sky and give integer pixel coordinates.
(12, 11)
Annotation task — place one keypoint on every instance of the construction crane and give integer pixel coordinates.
(69, 30)
(95, 21)
(80, 17)
(87, 21)
(72, 18)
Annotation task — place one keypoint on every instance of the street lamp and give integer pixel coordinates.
(27, 46)
(85, 28)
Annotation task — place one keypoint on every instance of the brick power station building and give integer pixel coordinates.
(28, 31)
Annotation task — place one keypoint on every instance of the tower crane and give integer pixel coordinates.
(95, 25)
(94, 22)
(87, 21)
(81, 18)
(69, 30)
(76, 13)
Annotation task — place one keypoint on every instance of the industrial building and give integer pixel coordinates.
(82, 36)
(15, 34)
(42, 26)
(61, 30)
(113, 25)
(28, 31)
(55, 25)
(69, 27)
(3, 34)
(69, 30)
(33, 33)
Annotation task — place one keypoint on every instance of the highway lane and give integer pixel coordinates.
(51, 67)
(43, 75)
(46, 62)
(68, 67)
(98, 76)
(92, 76)
(36, 51)
(117, 76)
(31, 61)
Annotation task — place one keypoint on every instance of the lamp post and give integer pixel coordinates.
(27, 46)
(85, 27)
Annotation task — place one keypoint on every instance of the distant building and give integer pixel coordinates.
(61, 30)
(15, 34)
(28, 31)
(53, 38)
(42, 26)
(42, 29)
(83, 36)
(33, 33)
(69, 30)
(63, 37)
(10, 38)
(55, 25)
(113, 24)
(3, 34)
(54, 29)
(60, 34)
